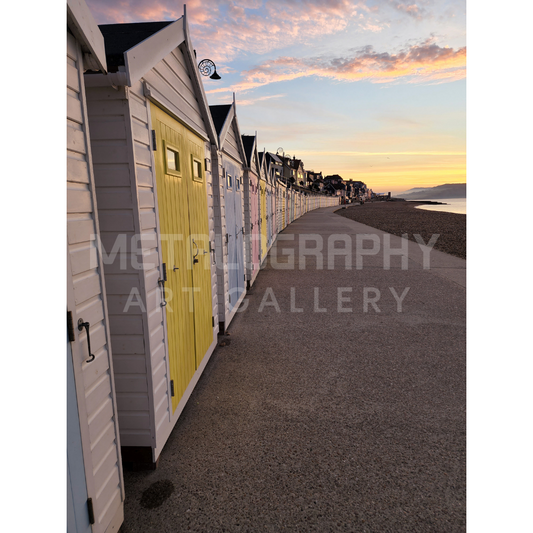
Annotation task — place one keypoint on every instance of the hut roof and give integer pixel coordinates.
(248, 142)
(119, 38)
(219, 114)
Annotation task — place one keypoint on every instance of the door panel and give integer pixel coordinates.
(183, 219)
(230, 229)
(77, 516)
(234, 227)
(263, 219)
(239, 239)
(199, 231)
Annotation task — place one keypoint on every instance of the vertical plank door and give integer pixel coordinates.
(184, 226)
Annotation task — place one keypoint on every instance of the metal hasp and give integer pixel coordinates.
(86, 325)
(161, 282)
(206, 67)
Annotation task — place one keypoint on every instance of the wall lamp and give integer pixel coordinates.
(207, 67)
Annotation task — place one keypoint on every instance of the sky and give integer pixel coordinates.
(372, 90)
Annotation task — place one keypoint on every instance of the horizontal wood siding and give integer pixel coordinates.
(211, 211)
(172, 82)
(231, 146)
(119, 220)
(221, 249)
(94, 380)
(141, 129)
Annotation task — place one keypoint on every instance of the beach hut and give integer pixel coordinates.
(270, 192)
(263, 216)
(252, 172)
(228, 166)
(151, 138)
(272, 221)
(95, 485)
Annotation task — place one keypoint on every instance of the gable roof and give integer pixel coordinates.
(248, 142)
(119, 38)
(224, 117)
(273, 157)
(135, 49)
(219, 114)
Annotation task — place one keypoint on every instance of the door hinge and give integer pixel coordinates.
(90, 510)
(70, 327)
(171, 387)
(154, 141)
(213, 321)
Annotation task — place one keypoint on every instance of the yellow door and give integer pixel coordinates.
(183, 220)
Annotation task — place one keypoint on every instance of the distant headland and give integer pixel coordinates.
(449, 190)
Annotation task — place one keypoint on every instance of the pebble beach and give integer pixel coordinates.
(401, 217)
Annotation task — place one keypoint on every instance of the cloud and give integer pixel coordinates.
(224, 29)
(412, 10)
(254, 101)
(425, 62)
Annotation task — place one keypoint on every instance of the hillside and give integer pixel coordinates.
(449, 190)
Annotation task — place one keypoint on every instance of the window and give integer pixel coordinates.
(197, 170)
(172, 160)
(228, 181)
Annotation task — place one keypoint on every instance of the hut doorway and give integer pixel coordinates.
(185, 246)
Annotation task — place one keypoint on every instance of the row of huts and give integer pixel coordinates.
(171, 213)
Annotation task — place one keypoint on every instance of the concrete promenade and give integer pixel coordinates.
(337, 402)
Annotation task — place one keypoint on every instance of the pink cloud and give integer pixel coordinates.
(425, 62)
(223, 29)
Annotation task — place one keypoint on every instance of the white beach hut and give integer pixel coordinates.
(228, 169)
(252, 239)
(151, 137)
(95, 485)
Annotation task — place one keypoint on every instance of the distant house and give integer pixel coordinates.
(311, 177)
(335, 178)
(274, 165)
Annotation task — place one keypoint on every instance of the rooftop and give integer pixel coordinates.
(119, 38)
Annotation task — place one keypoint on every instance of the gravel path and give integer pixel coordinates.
(322, 421)
(399, 217)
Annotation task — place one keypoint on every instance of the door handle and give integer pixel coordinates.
(194, 257)
(86, 325)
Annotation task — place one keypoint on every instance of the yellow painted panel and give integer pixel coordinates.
(182, 203)
(199, 232)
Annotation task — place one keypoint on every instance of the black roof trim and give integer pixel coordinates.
(219, 114)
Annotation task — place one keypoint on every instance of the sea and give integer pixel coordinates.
(451, 205)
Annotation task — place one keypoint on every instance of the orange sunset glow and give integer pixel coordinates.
(372, 91)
